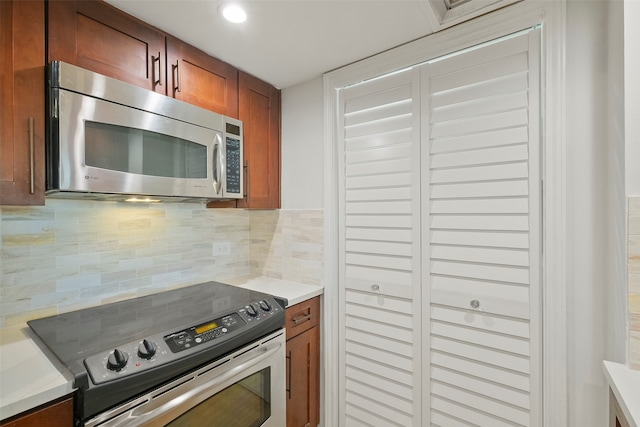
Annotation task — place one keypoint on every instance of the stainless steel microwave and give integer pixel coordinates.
(108, 139)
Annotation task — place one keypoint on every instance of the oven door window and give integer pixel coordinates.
(246, 403)
(143, 152)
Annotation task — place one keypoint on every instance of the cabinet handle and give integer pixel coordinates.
(375, 288)
(289, 374)
(475, 304)
(176, 76)
(31, 156)
(245, 167)
(157, 75)
(302, 319)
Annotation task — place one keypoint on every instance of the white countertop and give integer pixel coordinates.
(28, 378)
(294, 292)
(625, 384)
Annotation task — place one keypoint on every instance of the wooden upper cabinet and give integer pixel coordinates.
(259, 110)
(199, 79)
(22, 105)
(98, 37)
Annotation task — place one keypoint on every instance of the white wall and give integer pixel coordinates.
(632, 98)
(587, 185)
(302, 145)
(616, 224)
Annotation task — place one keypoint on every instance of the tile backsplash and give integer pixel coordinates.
(287, 245)
(70, 254)
(634, 282)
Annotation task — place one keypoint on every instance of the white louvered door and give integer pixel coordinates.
(439, 242)
(481, 218)
(380, 248)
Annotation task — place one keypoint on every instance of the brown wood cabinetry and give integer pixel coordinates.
(303, 364)
(56, 414)
(616, 416)
(200, 79)
(22, 105)
(98, 37)
(259, 107)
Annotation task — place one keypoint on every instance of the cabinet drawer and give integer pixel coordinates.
(302, 316)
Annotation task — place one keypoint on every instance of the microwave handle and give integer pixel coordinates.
(217, 165)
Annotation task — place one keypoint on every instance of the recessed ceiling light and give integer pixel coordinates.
(233, 13)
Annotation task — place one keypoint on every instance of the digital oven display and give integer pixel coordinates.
(206, 327)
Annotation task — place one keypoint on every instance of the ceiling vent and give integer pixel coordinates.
(446, 13)
(450, 4)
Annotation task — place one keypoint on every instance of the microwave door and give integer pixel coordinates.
(109, 148)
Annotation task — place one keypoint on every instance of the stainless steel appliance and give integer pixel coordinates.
(209, 354)
(111, 140)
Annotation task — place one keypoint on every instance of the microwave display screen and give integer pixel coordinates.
(142, 152)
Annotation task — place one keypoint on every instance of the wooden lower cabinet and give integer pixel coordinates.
(616, 416)
(55, 414)
(303, 364)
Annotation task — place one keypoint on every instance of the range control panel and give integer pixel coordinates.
(197, 335)
(155, 350)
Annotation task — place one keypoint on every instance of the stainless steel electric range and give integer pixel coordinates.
(209, 352)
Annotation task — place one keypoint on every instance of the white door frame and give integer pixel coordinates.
(551, 15)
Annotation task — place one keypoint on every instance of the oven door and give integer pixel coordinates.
(243, 389)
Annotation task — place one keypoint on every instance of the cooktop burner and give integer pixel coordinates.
(139, 343)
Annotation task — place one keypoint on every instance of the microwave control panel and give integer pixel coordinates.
(234, 158)
(234, 165)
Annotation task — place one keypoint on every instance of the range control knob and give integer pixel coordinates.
(265, 305)
(117, 360)
(147, 349)
(252, 310)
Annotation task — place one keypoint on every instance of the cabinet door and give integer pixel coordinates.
(200, 79)
(22, 102)
(482, 214)
(303, 357)
(98, 37)
(379, 249)
(259, 108)
(56, 414)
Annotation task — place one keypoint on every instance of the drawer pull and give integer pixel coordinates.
(375, 288)
(475, 304)
(302, 319)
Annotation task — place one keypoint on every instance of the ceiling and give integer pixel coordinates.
(286, 42)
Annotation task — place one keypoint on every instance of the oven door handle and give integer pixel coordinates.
(177, 401)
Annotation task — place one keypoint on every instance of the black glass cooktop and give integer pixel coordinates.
(82, 339)
(75, 335)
